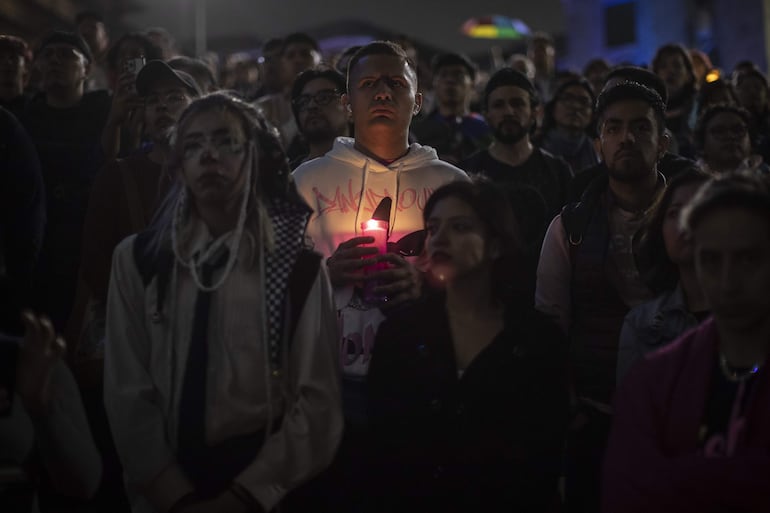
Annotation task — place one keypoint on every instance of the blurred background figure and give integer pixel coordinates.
(164, 40)
(595, 71)
(451, 128)
(672, 63)
(723, 139)
(567, 130)
(542, 52)
(15, 67)
(90, 26)
(753, 93)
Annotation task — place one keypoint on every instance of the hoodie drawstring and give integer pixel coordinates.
(361, 197)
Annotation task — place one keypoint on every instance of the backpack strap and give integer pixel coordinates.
(576, 216)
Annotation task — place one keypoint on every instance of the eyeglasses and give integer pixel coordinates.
(321, 98)
(65, 53)
(722, 131)
(224, 144)
(580, 101)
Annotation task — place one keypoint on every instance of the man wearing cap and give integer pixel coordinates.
(587, 277)
(65, 124)
(536, 182)
(123, 200)
(127, 191)
(670, 164)
(452, 129)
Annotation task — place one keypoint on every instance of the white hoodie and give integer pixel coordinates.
(334, 186)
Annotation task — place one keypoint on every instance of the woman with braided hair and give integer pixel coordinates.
(221, 382)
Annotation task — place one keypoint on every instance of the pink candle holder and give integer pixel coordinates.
(379, 230)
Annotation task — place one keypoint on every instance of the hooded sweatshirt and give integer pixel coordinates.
(344, 187)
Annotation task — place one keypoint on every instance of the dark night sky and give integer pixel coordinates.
(434, 22)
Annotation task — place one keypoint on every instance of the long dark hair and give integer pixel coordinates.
(656, 268)
(500, 224)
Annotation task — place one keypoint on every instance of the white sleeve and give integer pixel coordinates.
(312, 427)
(554, 276)
(131, 399)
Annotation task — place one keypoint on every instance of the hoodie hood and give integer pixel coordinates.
(417, 157)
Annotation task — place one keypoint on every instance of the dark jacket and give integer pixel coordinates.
(22, 220)
(490, 440)
(597, 308)
(653, 463)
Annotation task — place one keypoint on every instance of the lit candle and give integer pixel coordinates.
(377, 229)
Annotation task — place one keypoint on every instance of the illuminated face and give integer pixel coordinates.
(382, 94)
(732, 262)
(456, 243)
(214, 158)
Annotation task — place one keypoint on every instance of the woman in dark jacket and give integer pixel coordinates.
(468, 395)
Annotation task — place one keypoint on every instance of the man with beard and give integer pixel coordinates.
(321, 117)
(123, 199)
(535, 181)
(587, 277)
(452, 129)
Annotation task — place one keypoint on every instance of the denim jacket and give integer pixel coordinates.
(652, 325)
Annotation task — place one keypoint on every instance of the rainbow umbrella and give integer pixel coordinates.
(495, 27)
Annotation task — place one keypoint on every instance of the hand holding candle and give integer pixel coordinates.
(378, 230)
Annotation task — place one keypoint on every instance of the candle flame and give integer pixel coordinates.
(373, 224)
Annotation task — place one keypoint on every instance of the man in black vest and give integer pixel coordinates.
(587, 278)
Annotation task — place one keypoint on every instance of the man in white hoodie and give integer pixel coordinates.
(345, 187)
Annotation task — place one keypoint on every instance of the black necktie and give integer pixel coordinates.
(192, 404)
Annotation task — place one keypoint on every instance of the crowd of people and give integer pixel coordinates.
(368, 283)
